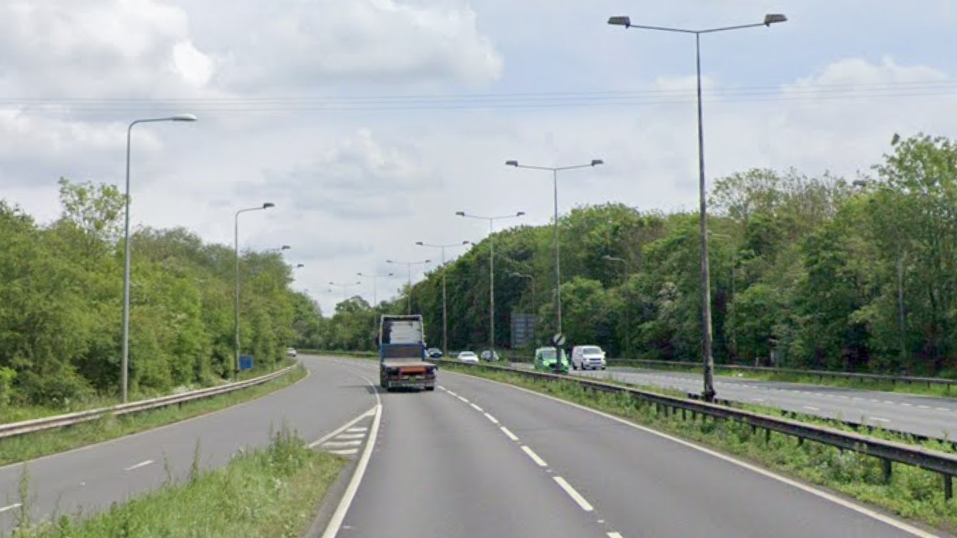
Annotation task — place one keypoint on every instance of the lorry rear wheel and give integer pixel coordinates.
(430, 389)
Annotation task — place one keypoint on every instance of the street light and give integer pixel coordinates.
(375, 278)
(558, 271)
(708, 393)
(445, 312)
(409, 264)
(491, 268)
(124, 375)
(278, 249)
(345, 287)
(263, 207)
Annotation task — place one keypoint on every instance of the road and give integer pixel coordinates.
(93, 477)
(477, 458)
(921, 415)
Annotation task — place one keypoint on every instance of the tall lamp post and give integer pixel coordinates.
(125, 367)
(445, 310)
(278, 249)
(263, 207)
(628, 271)
(375, 285)
(491, 268)
(558, 270)
(708, 393)
(409, 265)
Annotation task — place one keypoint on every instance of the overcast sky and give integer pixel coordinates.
(370, 122)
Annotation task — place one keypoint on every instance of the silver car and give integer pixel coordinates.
(468, 356)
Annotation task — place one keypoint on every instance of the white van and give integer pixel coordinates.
(588, 358)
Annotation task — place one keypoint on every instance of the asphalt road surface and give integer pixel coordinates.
(481, 459)
(91, 478)
(921, 415)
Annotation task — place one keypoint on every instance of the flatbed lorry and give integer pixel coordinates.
(402, 354)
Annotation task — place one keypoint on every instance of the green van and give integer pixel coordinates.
(545, 360)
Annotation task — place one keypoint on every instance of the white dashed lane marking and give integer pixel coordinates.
(509, 434)
(584, 504)
(531, 454)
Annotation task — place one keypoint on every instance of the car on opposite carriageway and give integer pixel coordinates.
(468, 356)
(545, 360)
(588, 358)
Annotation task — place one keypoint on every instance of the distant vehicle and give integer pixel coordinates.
(489, 355)
(588, 358)
(291, 352)
(435, 353)
(545, 360)
(468, 356)
(402, 354)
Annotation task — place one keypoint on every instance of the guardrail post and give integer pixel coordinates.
(767, 436)
(888, 470)
(948, 487)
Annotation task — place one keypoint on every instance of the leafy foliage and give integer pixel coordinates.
(805, 271)
(61, 304)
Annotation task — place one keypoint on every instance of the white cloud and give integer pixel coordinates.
(107, 48)
(323, 42)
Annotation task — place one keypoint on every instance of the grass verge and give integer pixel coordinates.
(44, 443)
(268, 493)
(911, 493)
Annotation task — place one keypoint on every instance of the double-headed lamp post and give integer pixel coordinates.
(263, 207)
(409, 265)
(445, 311)
(345, 287)
(125, 367)
(375, 285)
(558, 270)
(708, 393)
(491, 269)
(516, 274)
(279, 249)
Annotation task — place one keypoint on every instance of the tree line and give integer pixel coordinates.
(806, 271)
(61, 289)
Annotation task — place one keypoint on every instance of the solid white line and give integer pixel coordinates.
(138, 465)
(477, 408)
(614, 535)
(573, 494)
(809, 408)
(534, 456)
(441, 387)
(490, 417)
(451, 393)
(344, 427)
(910, 529)
(340, 514)
(345, 452)
(337, 444)
(11, 507)
(509, 433)
(879, 419)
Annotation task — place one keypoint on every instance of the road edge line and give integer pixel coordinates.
(850, 505)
